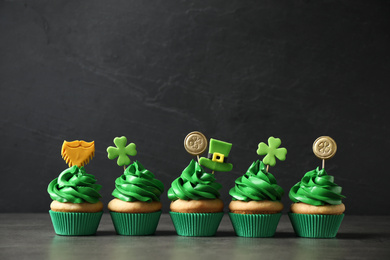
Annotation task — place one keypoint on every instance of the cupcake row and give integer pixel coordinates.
(195, 210)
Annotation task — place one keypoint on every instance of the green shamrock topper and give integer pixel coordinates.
(121, 151)
(271, 151)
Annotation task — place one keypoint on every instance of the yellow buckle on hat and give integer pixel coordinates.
(218, 157)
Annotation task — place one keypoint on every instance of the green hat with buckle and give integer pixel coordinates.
(217, 156)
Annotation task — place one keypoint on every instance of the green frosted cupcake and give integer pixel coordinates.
(136, 208)
(317, 209)
(255, 207)
(196, 209)
(76, 209)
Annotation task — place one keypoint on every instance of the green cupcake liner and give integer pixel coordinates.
(196, 224)
(135, 224)
(75, 223)
(255, 225)
(315, 226)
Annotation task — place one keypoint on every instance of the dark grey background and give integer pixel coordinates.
(238, 71)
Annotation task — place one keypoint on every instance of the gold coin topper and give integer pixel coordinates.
(195, 143)
(324, 147)
(77, 152)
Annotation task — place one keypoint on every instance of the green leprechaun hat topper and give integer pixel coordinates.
(196, 143)
(217, 156)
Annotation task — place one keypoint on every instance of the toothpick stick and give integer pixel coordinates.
(124, 167)
(198, 158)
(323, 163)
(212, 172)
(267, 167)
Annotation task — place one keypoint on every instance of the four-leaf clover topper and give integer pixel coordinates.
(121, 151)
(271, 151)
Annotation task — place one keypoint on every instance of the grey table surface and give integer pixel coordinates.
(31, 236)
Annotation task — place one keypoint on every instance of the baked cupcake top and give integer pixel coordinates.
(138, 184)
(74, 185)
(194, 184)
(317, 188)
(256, 184)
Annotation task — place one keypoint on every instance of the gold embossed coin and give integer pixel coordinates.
(324, 147)
(195, 143)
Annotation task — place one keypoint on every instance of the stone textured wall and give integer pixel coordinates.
(238, 71)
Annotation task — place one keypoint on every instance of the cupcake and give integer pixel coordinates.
(196, 209)
(255, 207)
(136, 208)
(76, 209)
(317, 209)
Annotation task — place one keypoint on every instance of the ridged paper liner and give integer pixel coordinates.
(255, 225)
(74, 223)
(315, 226)
(196, 224)
(135, 224)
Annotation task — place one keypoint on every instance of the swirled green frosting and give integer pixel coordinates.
(138, 184)
(194, 184)
(74, 185)
(316, 188)
(256, 184)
